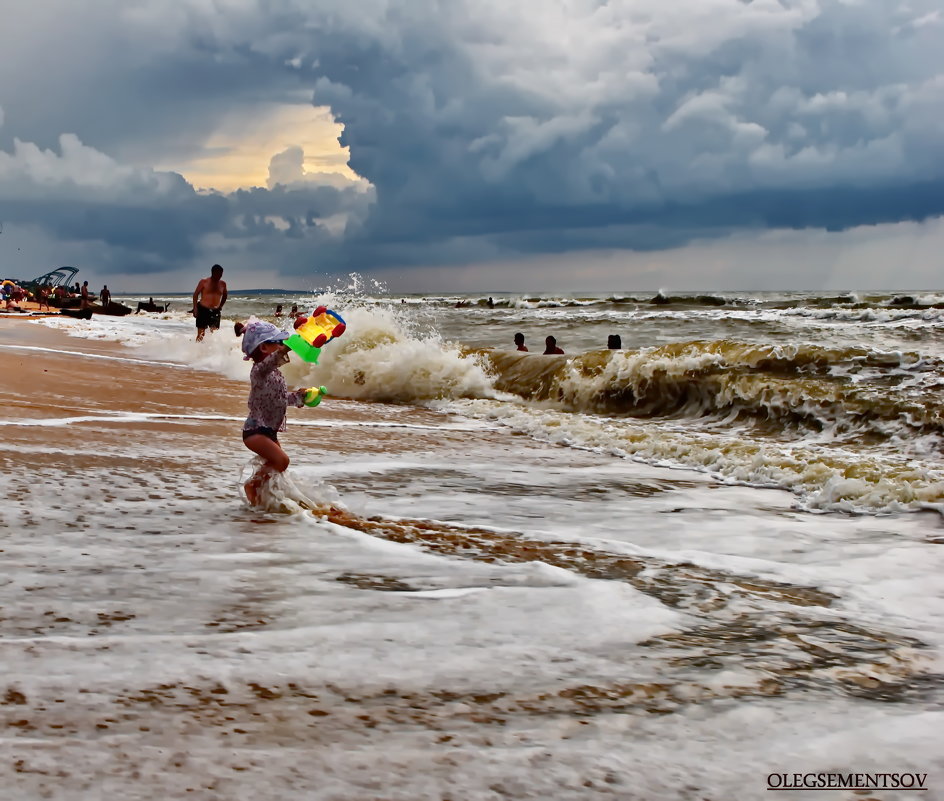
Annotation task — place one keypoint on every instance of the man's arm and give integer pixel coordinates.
(223, 298)
(196, 293)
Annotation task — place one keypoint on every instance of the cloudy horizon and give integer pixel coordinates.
(566, 145)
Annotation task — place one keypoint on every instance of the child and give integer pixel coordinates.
(268, 399)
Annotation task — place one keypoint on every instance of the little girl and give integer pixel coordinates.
(268, 399)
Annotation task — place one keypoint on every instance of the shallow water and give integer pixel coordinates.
(506, 607)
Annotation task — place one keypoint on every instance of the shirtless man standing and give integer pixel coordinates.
(208, 300)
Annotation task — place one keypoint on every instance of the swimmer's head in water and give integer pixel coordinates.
(519, 339)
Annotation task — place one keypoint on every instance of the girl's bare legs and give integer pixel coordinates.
(276, 461)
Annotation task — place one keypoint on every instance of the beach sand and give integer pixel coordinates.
(162, 640)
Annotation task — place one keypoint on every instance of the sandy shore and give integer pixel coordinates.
(161, 640)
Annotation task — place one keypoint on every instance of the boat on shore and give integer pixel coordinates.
(112, 309)
(151, 306)
(56, 286)
(78, 314)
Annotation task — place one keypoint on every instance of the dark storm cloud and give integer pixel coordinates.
(637, 125)
(157, 219)
(490, 128)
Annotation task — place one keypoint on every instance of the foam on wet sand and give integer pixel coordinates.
(489, 616)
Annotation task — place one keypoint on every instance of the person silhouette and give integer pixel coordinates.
(551, 348)
(613, 342)
(519, 342)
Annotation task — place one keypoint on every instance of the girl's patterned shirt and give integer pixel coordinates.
(268, 395)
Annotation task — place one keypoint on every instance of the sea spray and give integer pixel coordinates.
(380, 359)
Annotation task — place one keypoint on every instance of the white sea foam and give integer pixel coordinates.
(823, 478)
(383, 358)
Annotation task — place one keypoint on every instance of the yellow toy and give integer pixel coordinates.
(314, 395)
(314, 332)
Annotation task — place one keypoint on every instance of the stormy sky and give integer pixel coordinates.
(475, 144)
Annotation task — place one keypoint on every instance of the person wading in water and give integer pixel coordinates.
(208, 300)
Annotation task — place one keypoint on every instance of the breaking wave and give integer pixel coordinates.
(779, 390)
(824, 478)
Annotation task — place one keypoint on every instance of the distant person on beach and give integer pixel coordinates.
(550, 347)
(278, 310)
(491, 303)
(208, 300)
(269, 397)
(104, 297)
(42, 296)
(85, 295)
(294, 312)
(519, 342)
(613, 342)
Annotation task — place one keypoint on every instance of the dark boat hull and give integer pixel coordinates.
(79, 314)
(113, 309)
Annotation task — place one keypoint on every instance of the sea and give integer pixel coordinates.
(667, 570)
(834, 399)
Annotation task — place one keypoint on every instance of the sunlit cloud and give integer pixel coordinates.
(237, 154)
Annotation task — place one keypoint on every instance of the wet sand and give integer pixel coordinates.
(161, 640)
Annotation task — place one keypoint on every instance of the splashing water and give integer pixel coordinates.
(282, 493)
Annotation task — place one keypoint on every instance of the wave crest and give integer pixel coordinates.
(842, 390)
(381, 359)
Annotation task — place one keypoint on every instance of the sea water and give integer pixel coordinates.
(835, 399)
(663, 571)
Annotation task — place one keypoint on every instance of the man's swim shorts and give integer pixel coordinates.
(208, 318)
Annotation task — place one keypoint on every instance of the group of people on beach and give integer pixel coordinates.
(12, 295)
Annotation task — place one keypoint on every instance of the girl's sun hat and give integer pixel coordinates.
(257, 332)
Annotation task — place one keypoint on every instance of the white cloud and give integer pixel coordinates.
(30, 173)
